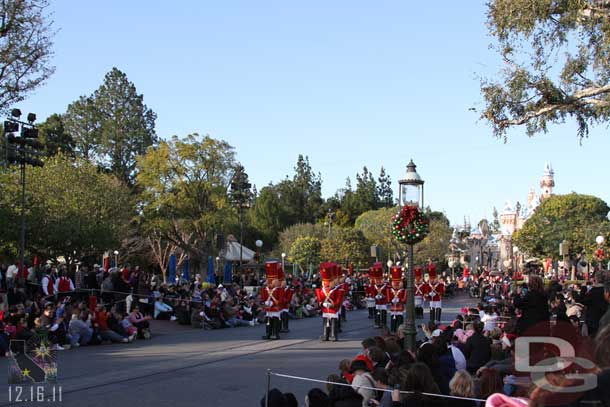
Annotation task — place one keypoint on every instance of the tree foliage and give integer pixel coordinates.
(71, 208)
(345, 245)
(54, 136)
(113, 126)
(556, 64)
(25, 49)
(305, 250)
(573, 217)
(184, 186)
(292, 233)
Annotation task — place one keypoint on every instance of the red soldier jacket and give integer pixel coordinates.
(397, 299)
(370, 291)
(276, 296)
(421, 289)
(330, 297)
(288, 293)
(437, 289)
(380, 291)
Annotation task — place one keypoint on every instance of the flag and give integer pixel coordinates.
(211, 276)
(228, 277)
(185, 269)
(171, 276)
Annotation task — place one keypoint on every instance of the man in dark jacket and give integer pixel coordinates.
(596, 305)
(477, 349)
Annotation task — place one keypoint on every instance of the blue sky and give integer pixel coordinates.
(348, 83)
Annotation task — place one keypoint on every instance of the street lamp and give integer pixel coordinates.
(411, 192)
(259, 244)
(116, 258)
(283, 259)
(600, 252)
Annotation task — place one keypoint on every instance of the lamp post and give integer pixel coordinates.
(116, 258)
(411, 192)
(283, 260)
(600, 252)
(259, 245)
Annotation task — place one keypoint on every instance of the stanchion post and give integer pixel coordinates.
(268, 387)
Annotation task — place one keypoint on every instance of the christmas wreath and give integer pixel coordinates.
(410, 225)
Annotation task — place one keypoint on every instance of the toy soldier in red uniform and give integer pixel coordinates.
(421, 291)
(287, 297)
(437, 289)
(397, 296)
(369, 291)
(330, 301)
(272, 298)
(381, 299)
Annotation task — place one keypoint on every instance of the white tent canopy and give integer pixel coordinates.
(231, 251)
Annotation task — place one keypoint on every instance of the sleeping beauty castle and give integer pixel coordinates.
(514, 216)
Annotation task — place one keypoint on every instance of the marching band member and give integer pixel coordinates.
(330, 300)
(421, 290)
(287, 297)
(437, 289)
(273, 298)
(397, 296)
(381, 300)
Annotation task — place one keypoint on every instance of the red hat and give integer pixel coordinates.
(327, 271)
(280, 274)
(396, 272)
(432, 270)
(418, 272)
(272, 270)
(376, 271)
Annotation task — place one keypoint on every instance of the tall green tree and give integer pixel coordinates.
(289, 235)
(574, 217)
(54, 136)
(302, 195)
(71, 208)
(25, 48)
(113, 126)
(268, 216)
(345, 245)
(184, 196)
(555, 64)
(384, 189)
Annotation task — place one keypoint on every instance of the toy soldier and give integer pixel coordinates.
(272, 297)
(421, 290)
(287, 297)
(437, 289)
(397, 296)
(381, 300)
(369, 290)
(330, 300)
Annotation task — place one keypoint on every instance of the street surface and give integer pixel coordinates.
(187, 367)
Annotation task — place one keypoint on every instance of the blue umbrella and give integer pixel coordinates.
(211, 276)
(185, 269)
(228, 277)
(171, 277)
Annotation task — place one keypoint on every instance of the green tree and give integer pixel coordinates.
(184, 196)
(305, 250)
(268, 216)
(345, 245)
(302, 195)
(25, 49)
(495, 225)
(555, 64)
(54, 136)
(71, 208)
(573, 217)
(375, 226)
(385, 193)
(113, 126)
(292, 233)
(435, 246)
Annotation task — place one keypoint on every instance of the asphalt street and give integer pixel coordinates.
(187, 367)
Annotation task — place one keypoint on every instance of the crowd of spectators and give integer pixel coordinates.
(470, 362)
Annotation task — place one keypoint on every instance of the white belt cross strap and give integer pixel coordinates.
(418, 292)
(271, 297)
(433, 290)
(396, 293)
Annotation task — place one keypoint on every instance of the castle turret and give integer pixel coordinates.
(547, 182)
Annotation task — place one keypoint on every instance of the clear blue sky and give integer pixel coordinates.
(348, 83)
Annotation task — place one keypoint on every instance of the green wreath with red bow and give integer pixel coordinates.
(410, 225)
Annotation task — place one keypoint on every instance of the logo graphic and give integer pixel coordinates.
(32, 361)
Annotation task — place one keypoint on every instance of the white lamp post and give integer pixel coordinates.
(283, 259)
(116, 258)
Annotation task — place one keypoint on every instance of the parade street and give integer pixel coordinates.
(188, 367)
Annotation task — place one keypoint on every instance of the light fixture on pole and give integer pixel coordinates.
(411, 193)
(259, 245)
(283, 260)
(116, 258)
